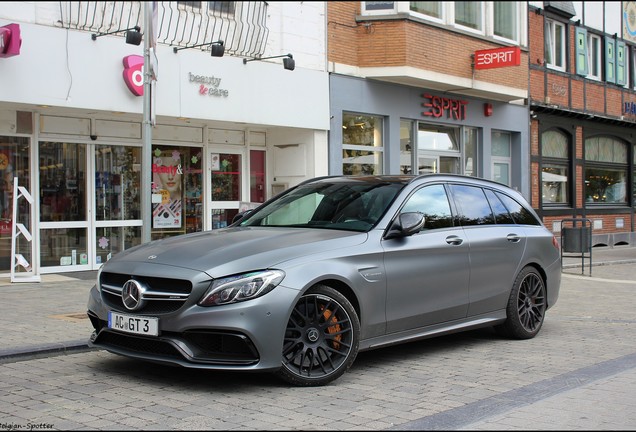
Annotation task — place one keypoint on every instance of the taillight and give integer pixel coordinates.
(555, 242)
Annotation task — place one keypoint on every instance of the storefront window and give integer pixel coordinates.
(117, 183)
(63, 247)
(554, 170)
(406, 147)
(500, 152)
(606, 170)
(111, 240)
(362, 144)
(176, 190)
(471, 161)
(14, 162)
(62, 182)
(437, 149)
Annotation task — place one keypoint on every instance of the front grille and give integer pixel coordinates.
(163, 295)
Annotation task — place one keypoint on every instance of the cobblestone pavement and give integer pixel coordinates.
(578, 374)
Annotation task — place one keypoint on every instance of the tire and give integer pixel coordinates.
(526, 306)
(321, 340)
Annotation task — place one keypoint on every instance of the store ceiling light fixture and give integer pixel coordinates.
(288, 61)
(217, 48)
(133, 35)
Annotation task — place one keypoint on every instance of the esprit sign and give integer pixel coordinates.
(437, 106)
(134, 74)
(497, 57)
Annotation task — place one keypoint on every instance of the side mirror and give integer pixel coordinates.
(240, 216)
(406, 225)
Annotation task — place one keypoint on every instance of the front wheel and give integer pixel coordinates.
(321, 340)
(526, 306)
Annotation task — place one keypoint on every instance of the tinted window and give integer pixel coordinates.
(433, 203)
(519, 213)
(501, 212)
(472, 205)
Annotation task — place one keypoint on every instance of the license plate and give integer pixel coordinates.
(133, 324)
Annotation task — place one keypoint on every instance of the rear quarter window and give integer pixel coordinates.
(519, 213)
(502, 216)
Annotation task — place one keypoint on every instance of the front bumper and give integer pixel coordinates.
(241, 336)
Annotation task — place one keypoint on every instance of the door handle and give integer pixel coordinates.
(513, 238)
(454, 240)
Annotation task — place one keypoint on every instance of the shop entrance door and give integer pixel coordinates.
(226, 184)
(64, 226)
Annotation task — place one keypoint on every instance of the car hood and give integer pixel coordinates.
(233, 250)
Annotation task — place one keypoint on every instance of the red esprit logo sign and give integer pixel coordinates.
(498, 57)
(134, 74)
(436, 107)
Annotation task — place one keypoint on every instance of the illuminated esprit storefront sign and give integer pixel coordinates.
(437, 106)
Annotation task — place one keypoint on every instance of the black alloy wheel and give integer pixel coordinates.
(526, 306)
(321, 340)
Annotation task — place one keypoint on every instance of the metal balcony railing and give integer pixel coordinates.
(242, 26)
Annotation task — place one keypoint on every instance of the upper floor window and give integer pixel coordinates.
(432, 9)
(594, 56)
(221, 7)
(555, 44)
(498, 20)
(470, 14)
(505, 20)
(214, 7)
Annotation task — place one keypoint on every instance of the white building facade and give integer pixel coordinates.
(227, 134)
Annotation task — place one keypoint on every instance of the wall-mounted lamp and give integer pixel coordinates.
(217, 48)
(288, 61)
(578, 22)
(132, 37)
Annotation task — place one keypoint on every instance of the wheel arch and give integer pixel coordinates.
(345, 290)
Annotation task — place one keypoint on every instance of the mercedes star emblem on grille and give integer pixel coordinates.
(132, 295)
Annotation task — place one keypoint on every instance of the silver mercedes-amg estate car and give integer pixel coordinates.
(331, 267)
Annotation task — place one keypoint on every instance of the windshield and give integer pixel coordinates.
(351, 205)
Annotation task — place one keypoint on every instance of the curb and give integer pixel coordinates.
(58, 348)
(600, 263)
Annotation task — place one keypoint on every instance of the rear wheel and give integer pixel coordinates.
(526, 306)
(321, 339)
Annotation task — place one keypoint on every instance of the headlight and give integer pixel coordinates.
(241, 287)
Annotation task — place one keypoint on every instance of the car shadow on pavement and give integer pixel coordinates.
(229, 382)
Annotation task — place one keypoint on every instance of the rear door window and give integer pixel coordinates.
(472, 205)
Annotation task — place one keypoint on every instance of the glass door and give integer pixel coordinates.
(63, 206)
(225, 168)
